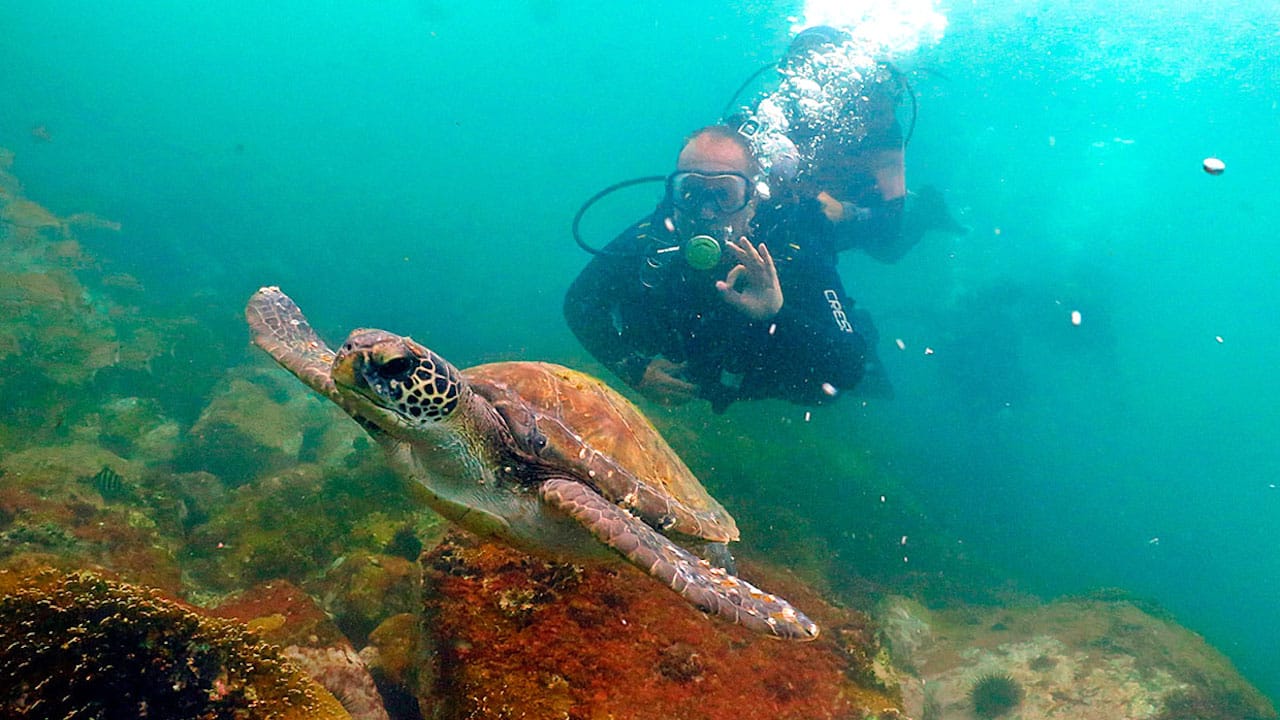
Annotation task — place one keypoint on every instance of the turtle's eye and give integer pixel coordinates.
(395, 369)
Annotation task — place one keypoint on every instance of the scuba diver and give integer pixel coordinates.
(727, 291)
(837, 107)
(828, 146)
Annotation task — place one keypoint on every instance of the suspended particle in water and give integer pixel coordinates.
(1214, 166)
(928, 351)
(1075, 317)
(829, 389)
(901, 345)
(1218, 338)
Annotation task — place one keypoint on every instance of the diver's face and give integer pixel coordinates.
(715, 168)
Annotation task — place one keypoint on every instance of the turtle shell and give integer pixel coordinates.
(602, 439)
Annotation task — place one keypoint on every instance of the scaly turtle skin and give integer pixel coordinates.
(539, 456)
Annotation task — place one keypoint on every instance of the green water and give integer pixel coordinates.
(415, 165)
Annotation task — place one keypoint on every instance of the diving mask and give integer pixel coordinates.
(721, 193)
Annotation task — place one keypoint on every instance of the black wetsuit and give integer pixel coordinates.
(631, 305)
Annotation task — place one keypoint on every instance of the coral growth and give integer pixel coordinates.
(49, 504)
(82, 646)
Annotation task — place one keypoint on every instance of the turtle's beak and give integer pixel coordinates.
(344, 371)
(369, 359)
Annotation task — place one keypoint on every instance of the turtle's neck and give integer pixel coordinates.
(462, 452)
(461, 464)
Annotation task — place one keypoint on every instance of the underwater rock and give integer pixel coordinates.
(363, 589)
(132, 427)
(54, 469)
(1085, 659)
(79, 645)
(30, 215)
(906, 627)
(390, 652)
(245, 429)
(341, 671)
(196, 497)
(280, 527)
(258, 422)
(293, 524)
(509, 635)
(284, 615)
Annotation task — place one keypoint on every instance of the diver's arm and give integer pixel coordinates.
(878, 232)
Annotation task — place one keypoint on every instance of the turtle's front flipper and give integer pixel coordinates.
(280, 328)
(710, 589)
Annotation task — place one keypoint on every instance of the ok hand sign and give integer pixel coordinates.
(752, 285)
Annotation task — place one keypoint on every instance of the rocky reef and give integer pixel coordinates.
(1094, 658)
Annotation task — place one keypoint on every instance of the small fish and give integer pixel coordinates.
(109, 484)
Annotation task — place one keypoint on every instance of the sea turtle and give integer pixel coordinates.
(544, 458)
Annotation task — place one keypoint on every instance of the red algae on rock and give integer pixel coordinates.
(517, 637)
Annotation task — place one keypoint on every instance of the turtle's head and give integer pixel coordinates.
(395, 383)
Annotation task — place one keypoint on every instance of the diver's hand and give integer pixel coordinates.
(662, 385)
(831, 207)
(839, 212)
(760, 295)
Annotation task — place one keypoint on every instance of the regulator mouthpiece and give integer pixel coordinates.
(702, 252)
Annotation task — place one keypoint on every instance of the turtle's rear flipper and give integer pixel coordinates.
(711, 589)
(280, 328)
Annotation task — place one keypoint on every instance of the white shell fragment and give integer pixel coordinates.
(1214, 166)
